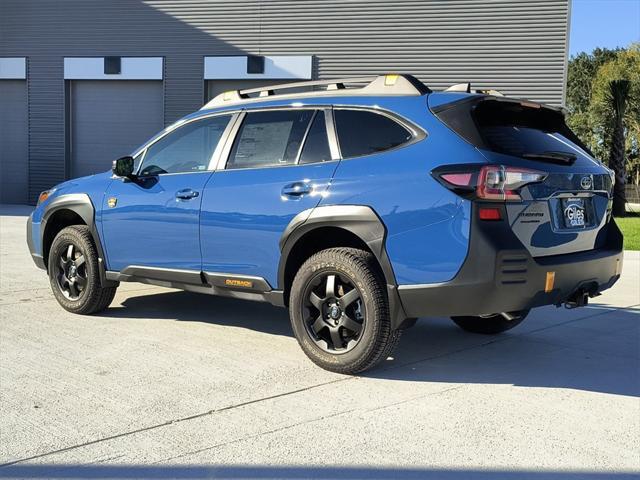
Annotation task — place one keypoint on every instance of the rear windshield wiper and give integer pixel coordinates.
(552, 156)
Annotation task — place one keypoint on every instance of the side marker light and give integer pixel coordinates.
(548, 284)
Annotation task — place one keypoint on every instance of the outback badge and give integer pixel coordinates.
(233, 282)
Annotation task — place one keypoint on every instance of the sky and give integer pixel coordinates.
(603, 23)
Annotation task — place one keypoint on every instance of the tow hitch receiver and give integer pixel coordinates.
(580, 297)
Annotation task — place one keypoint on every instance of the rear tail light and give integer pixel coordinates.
(489, 182)
(458, 179)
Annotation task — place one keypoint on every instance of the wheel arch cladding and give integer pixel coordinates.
(67, 210)
(61, 218)
(64, 211)
(336, 226)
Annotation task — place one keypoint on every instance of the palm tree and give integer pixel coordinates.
(619, 93)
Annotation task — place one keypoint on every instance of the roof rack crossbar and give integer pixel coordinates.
(390, 84)
(339, 83)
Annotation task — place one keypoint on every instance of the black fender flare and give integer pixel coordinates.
(360, 220)
(81, 205)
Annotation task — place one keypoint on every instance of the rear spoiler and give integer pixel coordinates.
(466, 88)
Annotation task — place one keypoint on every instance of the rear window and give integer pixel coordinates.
(362, 133)
(527, 131)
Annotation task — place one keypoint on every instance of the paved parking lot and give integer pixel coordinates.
(172, 384)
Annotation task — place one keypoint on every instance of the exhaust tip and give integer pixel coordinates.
(509, 316)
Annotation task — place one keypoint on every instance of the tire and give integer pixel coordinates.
(74, 273)
(342, 325)
(490, 325)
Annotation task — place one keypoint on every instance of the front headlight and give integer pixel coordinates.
(44, 195)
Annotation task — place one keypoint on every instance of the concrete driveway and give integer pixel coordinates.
(167, 384)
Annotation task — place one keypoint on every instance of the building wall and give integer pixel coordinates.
(516, 46)
(13, 141)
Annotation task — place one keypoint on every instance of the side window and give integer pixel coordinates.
(269, 138)
(316, 146)
(362, 133)
(187, 149)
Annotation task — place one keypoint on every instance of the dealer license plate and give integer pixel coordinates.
(574, 212)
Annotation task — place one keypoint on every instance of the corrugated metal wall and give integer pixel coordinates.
(14, 141)
(517, 46)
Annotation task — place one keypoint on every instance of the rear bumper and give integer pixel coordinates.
(499, 275)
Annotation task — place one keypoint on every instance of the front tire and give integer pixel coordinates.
(490, 325)
(339, 311)
(74, 272)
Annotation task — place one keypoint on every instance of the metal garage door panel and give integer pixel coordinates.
(110, 119)
(14, 168)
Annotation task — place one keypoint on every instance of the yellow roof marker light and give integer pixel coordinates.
(390, 80)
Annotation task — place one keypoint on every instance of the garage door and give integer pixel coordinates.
(109, 119)
(13, 141)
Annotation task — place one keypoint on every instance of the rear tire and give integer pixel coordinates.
(339, 311)
(490, 325)
(74, 273)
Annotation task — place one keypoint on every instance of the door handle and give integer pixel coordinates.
(296, 189)
(186, 194)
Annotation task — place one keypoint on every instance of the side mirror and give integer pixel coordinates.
(123, 167)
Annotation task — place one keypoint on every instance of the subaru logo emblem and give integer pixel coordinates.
(586, 182)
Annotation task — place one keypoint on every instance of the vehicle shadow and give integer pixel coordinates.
(598, 352)
(587, 349)
(291, 472)
(194, 307)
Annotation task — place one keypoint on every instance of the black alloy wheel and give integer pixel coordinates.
(72, 271)
(334, 314)
(340, 311)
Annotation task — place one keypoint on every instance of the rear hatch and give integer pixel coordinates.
(566, 205)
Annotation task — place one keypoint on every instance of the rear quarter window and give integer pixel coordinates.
(361, 132)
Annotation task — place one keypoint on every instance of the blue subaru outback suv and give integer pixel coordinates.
(360, 208)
